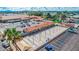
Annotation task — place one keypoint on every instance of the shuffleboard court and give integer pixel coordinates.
(39, 39)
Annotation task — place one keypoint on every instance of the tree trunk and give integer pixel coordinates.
(12, 47)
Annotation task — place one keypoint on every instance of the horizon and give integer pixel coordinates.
(14, 9)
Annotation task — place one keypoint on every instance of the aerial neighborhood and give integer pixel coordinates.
(39, 30)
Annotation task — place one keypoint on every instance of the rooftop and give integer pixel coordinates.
(38, 26)
(17, 16)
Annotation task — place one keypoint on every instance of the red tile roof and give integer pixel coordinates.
(36, 27)
(36, 17)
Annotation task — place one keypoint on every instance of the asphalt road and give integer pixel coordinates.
(71, 42)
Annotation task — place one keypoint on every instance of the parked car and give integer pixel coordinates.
(73, 30)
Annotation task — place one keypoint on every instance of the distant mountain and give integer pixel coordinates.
(12, 9)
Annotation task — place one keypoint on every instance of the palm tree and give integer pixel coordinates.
(8, 34)
(47, 16)
(59, 17)
(12, 35)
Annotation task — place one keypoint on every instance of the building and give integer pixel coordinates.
(17, 17)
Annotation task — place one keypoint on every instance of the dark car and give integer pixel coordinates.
(73, 30)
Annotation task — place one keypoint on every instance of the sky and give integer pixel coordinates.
(39, 8)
